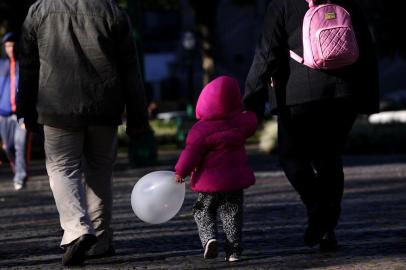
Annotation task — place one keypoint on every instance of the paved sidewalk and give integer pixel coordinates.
(372, 231)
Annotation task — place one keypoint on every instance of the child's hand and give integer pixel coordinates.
(179, 178)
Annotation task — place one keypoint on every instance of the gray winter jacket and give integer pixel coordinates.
(79, 66)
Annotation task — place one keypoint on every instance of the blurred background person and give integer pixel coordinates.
(13, 135)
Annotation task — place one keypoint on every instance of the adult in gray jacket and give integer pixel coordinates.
(79, 71)
(316, 109)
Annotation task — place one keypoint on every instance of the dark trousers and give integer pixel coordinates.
(229, 206)
(311, 140)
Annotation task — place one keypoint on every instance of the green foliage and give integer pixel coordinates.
(122, 3)
(163, 128)
(143, 150)
(165, 132)
(366, 138)
(386, 20)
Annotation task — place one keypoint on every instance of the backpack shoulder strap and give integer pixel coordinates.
(296, 57)
(313, 3)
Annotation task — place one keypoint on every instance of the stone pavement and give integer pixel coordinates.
(372, 230)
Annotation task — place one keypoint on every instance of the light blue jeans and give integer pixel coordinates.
(14, 140)
(84, 203)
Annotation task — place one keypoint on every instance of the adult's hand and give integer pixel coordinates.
(29, 124)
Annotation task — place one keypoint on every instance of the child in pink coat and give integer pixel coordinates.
(216, 159)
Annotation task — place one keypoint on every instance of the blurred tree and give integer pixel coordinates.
(12, 14)
(387, 24)
(385, 18)
(134, 10)
(205, 17)
(143, 150)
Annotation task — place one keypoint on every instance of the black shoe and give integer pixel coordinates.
(211, 249)
(314, 231)
(108, 253)
(312, 236)
(75, 252)
(328, 242)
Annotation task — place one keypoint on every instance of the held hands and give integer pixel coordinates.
(179, 179)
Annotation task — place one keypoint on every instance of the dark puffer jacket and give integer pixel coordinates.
(296, 83)
(79, 66)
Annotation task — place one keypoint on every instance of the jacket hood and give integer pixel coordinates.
(12, 37)
(221, 98)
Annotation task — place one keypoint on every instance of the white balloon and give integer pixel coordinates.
(157, 197)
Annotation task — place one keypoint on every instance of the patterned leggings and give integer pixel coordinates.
(230, 207)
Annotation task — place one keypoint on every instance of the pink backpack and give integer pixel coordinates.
(328, 37)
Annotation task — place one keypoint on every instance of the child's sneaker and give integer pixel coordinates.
(211, 250)
(18, 186)
(233, 257)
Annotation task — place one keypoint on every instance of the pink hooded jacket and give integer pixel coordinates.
(215, 154)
